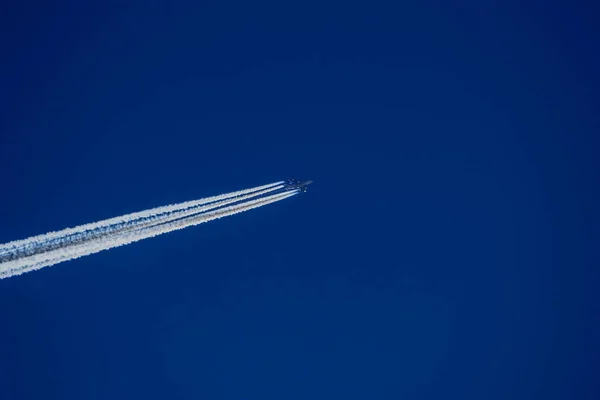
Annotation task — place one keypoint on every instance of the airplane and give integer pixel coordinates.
(296, 184)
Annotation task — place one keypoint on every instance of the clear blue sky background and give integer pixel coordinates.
(447, 250)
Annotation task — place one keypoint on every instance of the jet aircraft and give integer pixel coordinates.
(296, 184)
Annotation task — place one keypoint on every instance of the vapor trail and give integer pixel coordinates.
(175, 215)
(89, 235)
(114, 239)
(127, 218)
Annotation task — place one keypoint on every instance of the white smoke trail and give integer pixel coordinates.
(86, 236)
(111, 241)
(167, 217)
(128, 218)
(106, 242)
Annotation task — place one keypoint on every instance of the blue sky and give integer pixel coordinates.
(447, 249)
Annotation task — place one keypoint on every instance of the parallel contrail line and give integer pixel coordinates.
(106, 242)
(86, 236)
(128, 217)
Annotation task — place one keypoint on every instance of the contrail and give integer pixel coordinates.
(128, 218)
(110, 241)
(106, 242)
(148, 224)
(89, 235)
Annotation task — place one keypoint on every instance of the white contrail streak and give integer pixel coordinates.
(89, 235)
(120, 238)
(167, 217)
(109, 241)
(128, 218)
